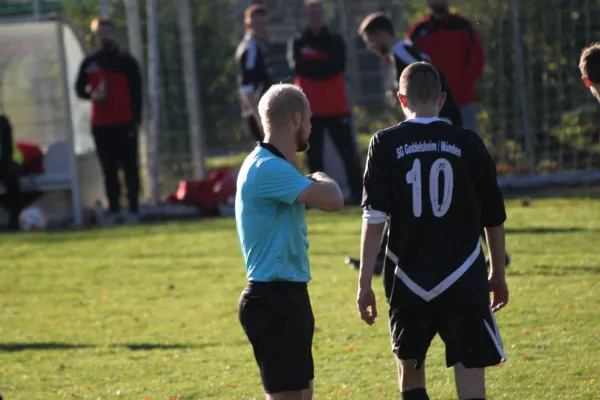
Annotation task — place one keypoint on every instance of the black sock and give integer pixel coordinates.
(479, 398)
(415, 394)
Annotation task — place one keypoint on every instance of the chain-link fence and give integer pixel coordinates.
(533, 110)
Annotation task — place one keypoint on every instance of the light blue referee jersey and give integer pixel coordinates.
(271, 225)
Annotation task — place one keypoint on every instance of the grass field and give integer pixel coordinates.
(150, 312)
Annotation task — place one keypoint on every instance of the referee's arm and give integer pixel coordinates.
(282, 182)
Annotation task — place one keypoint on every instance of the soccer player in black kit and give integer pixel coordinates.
(436, 184)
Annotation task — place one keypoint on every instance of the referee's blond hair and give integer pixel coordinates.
(279, 104)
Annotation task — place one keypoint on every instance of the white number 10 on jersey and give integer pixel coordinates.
(413, 177)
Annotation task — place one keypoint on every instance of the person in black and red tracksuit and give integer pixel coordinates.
(111, 79)
(455, 48)
(318, 57)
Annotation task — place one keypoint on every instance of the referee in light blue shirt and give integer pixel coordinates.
(274, 308)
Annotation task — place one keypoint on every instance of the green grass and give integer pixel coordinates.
(150, 312)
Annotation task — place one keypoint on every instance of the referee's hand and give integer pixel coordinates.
(366, 299)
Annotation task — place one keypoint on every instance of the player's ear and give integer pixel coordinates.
(587, 81)
(403, 100)
(441, 100)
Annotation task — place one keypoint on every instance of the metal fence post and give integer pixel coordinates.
(192, 87)
(136, 46)
(154, 106)
(522, 87)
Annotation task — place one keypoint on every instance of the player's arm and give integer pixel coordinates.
(6, 140)
(321, 68)
(493, 218)
(134, 76)
(323, 193)
(282, 182)
(376, 207)
(82, 82)
(249, 64)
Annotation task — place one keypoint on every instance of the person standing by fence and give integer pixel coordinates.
(112, 80)
(318, 58)
(455, 49)
(254, 71)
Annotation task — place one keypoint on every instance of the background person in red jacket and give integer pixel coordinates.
(111, 79)
(318, 57)
(455, 48)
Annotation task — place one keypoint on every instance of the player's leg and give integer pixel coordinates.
(316, 141)
(130, 164)
(9, 178)
(342, 136)
(472, 343)
(412, 332)
(279, 323)
(470, 382)
(254, 128)
(107, 153)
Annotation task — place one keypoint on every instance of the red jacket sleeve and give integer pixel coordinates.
(411, 31)
(477, 56)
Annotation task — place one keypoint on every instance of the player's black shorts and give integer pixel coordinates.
(469, 332)
(278, 320)
(254, 129)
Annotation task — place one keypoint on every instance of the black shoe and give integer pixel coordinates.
(353, 262)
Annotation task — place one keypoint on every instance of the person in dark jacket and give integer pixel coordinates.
(10, 160)
(111, 79)
(455, 49)
(377, 31)
(318, 58)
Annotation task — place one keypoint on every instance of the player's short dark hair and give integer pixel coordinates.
(420, 83)
(376, 22)
(254, 10)
(106, 22)
(589, 63)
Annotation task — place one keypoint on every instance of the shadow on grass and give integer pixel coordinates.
(547, 270)
(13, 347)
(16, 347)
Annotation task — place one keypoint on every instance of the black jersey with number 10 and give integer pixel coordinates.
(437, 183)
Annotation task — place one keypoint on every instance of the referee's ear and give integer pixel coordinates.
(442, 100)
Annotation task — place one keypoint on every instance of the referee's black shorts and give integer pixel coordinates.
(278, 320)
(469, 332)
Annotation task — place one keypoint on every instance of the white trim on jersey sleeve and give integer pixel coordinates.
(429, 295)
(399, 50)
(247, 89)
(374, 217)
(251, 54)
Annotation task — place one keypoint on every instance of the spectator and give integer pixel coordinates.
(318, 57)
(254, 71)
(111, 79)
(10, 161)
(589, 66)
(377, 31)
(454, 47)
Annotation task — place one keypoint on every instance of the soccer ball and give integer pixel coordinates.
(32, 219)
